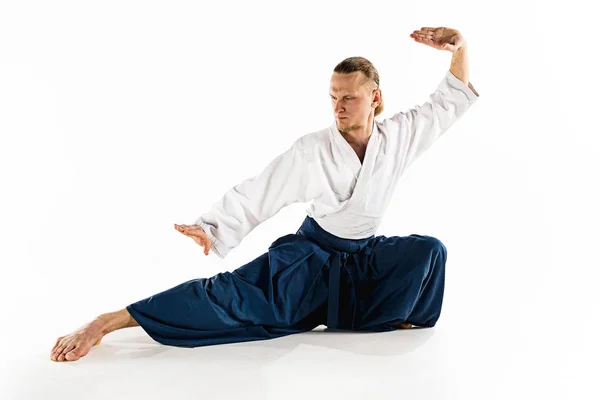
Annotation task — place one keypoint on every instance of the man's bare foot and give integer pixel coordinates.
(76, 345)
(404, 325)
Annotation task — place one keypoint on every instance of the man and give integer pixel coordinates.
(333, 270)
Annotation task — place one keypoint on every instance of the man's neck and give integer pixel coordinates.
(360, 136)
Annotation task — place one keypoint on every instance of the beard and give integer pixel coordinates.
(348, 128)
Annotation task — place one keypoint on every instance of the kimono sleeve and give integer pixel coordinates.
(422, 125)
(256, 199)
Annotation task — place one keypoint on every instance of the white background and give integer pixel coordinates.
(120, 118)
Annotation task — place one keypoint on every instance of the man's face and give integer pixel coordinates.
(351, 101)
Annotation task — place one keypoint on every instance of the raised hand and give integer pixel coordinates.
(439, 38)
(196, 233)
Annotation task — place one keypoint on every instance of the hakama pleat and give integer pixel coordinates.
(304, 280)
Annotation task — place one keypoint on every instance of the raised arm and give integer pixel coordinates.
(451, 40)
(422, 125)
(459, 66)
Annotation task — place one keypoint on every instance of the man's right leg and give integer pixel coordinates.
(279, 293)
(77, 344)
(274, 295)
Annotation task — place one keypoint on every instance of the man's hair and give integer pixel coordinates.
(353, 64)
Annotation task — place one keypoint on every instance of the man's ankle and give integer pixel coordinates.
(113, 321)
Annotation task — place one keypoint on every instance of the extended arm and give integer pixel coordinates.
(253, 201)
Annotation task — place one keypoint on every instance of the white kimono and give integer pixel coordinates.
(347, 198)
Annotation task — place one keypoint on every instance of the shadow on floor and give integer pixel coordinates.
(382, 344)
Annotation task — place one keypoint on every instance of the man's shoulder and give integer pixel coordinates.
(311, 143)
(315, 138)
(391, 124)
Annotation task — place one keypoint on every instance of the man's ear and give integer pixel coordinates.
(377, 96)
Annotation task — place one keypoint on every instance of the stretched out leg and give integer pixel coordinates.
(281, 292)
(77, 344)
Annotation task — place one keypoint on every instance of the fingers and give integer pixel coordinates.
(427, 41)
(203, 242)
(197, 233)
(180, 228)
(434, 37)
(424, 40)
(421, 34)
(425, 36)
(426, 30)
(193, 230)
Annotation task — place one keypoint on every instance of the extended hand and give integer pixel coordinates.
(439, 38)
(196, 233)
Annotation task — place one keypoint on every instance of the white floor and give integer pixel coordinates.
(468, 355)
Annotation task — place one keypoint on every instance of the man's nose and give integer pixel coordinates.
(338, 107)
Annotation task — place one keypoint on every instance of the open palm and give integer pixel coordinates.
(196, 233)
(439, 38)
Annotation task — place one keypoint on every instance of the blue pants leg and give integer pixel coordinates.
(403, 280)
(279, 293)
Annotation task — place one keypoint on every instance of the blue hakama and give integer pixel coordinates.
(304, 280)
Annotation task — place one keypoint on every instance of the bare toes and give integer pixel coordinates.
(73, 355)
(68, 348)
(56, 344)
(59, 350)
(54, 355)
